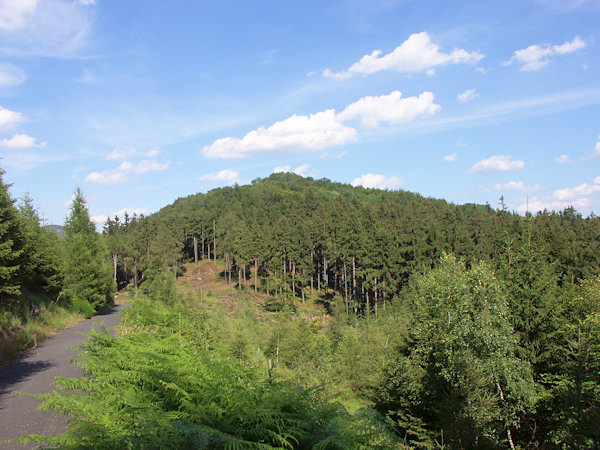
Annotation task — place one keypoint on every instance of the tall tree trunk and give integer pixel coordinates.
(284, 275)
(354, 284)
(383, 294)
(312, 282)
(215, 241)
(240, 278)
(368, 305)
(255, 275)
(195, 250)
(325, 280)
(345, 287)
(294, 279)
(115, 267)
(203, 249)
(319, 281)
(135, 274)
(375, 297)
(302, 290)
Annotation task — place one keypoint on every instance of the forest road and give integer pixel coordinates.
(34, 372)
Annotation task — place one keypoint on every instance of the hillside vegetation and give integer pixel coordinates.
(296, 313)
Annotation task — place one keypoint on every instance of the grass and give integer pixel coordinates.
(19, 331)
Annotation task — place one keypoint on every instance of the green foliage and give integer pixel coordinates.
(152, 388)
(11, 248)
(88, 276)
(459, 374)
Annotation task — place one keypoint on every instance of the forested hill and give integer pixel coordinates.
(364, 241)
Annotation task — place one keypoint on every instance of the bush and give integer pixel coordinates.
(82, 306)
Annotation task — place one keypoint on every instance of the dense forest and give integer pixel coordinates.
(333, 317)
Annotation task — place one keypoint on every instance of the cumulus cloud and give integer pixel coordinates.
(227, 175)
(578, 191)
(123, 173)
(301, 170)
(468, 95)
(300, 134)
(537, 56)
(282, 169)
(295, 134)
(497, 163)
(9, 119)
(100, 219)
(417, 54)
(577, 197)
(20, 141)
(450, 158)
(562, 159)
(536, 204)
(377, 181)
(517, 186)
(11, 75)
(391, 108)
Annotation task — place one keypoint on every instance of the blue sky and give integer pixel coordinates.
(142, 102)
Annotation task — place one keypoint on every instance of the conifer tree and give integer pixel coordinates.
(88, 275)
(11, 247)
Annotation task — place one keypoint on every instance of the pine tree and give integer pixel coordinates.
(88, 275)
(42, 253)
(11, 248)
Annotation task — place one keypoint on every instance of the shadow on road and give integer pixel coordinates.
(17, 371)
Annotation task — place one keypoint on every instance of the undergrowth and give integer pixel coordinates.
(21, 330)
(183, 376)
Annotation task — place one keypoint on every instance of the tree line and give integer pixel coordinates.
(40, 270)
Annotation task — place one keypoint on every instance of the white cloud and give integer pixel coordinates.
(578, 191)
(153, 153)
(562, 159)
(99, 219)
(9, 119)
(468, 95)
(377, 181)
(390, 108)
(122, 173)
(109, 177)
(282, 169)
(595, 153)
(227, 175)
(121, 154)
(536, 56)
(536, 204)
(517, 186)
(450, 158)
(300, 134)
(294, 134)
(14, 12)
(50, 28)
(497, 163)
(417, 54)
(149, 165)
(569, 47)
(301, 170)
(11, 75)
(577, 197)
(20, 141)
(130, 212)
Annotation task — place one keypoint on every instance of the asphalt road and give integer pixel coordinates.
(34, 373)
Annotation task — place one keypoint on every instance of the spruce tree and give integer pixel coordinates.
(11, 246)
(88, 275)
